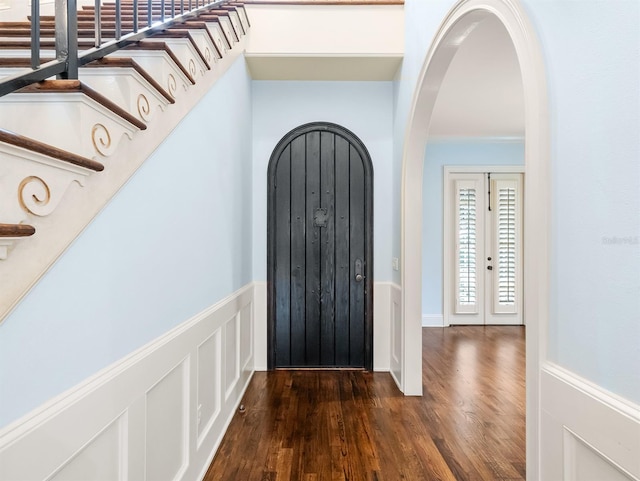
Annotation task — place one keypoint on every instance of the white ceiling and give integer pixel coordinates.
(481, 94)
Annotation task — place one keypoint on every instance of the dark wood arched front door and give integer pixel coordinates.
(320, 250)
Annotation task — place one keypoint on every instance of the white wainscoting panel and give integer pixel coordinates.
(167, 418)
(246, 336)
(587, 433)
(103, 456)
(395, 314)
(208, 384)
(158, 414)
(231, 349)
(381, 325)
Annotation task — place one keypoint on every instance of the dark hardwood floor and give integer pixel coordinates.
(356, 426)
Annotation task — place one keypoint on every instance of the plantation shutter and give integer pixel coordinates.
(467, 236)
(506, 245)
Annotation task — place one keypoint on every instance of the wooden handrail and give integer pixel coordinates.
(16, 230)
(27, 143)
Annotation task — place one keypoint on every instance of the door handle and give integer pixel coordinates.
(358, 270)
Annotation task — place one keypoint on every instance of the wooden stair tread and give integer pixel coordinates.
(16, 230)
(182, 33)
(61, 86)
(142, 45)
(27, 143)
(118, 62)
(127, 62)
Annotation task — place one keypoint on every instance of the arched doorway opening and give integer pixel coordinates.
(456, 28)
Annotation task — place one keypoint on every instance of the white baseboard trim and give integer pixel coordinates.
(162, 409)
(432, 320)
(587, 432)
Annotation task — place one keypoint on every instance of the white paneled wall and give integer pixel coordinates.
(587, 434)
(158, 414)
(387, 334)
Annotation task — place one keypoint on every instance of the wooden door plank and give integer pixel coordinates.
(357, 235)
(342, 264)
(327, 248)
(298, 254)
(313, 249)
(282, 265)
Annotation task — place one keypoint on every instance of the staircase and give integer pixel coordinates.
(67, 145)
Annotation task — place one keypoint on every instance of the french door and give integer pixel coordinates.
(483, 248)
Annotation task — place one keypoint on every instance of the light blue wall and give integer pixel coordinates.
(440, 153)
(422, 18)
(365, 108)
(591, 52)
(175, 240)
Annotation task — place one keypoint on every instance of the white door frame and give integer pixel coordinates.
(458, 24)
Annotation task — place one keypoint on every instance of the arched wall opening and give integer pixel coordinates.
(463, 19)
(477, 130)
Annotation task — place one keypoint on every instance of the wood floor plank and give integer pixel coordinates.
(357, 426)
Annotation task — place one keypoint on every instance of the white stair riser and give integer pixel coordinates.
(123, 86)
(187, 54)
(68, 121)
(37, 182)
(126, 88)
(162, 68)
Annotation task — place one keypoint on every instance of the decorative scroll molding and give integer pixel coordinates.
(144, 107)
(40, 182)
(100, 124)
(101, 139)
(172, 85)
(34, 196)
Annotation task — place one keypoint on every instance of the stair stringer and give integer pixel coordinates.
(29, 261)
